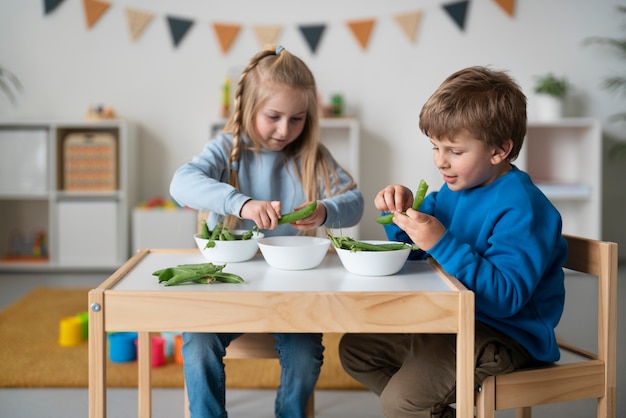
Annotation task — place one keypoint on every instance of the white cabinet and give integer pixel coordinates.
(342, 137)
(65, 193)
(564, 158)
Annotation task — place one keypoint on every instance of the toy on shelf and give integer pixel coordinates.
(27, 248)
(100, 112)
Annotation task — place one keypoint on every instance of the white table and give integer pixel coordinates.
(421, 298)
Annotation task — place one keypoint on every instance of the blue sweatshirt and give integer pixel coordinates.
(202, 184)
(504, 242)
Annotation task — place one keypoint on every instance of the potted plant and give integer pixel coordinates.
(550, 91)
(8, 83)
(616, 83)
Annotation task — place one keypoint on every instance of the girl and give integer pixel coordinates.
(267, 161)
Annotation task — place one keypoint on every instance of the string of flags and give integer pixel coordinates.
(226, 32)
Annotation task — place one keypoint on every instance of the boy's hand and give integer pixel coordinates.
(312, 221)
(394, 198)
(424, 230)
(263, 213)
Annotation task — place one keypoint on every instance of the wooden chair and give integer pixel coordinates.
(259, 346)
(589, 375)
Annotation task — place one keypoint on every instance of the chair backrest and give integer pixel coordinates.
(599, 258)
(593, 375)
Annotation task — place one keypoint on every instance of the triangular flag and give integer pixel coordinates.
(178, 28)
(457, 11)
(362, 29)
(226, 34)
(507, 5)
(312, 34)
(137, 21)
(267, 35)
(50, 5)
(408, 22)
(94, 9)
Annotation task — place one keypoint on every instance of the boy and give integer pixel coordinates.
(491, 228)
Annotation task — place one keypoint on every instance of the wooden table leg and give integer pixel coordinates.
(144, 381)
(465, 357)
(97, 355)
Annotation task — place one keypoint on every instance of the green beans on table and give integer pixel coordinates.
(196, 273)
(420, 194)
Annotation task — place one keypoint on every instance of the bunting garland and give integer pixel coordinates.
(408, 22)
(312, 35)
(94, 9)
(137, 21)
(227, 33)
(266, 34)
(362, 30)
(178, 28)
(457, 12)
(507, 5)
(50, 5)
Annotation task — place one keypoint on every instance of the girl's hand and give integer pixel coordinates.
(263, 213)
(394, 198)
(312, 221)
(424, 230)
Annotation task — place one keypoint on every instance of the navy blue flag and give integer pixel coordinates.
(312, 34)
(178, 28)
(457, 12)
(50, 5)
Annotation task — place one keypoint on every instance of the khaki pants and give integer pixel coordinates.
(415, 374)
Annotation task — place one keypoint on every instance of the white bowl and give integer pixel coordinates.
(294, 252)
(230, 251)
(373, 263)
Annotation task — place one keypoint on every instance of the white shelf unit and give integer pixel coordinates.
(564, 158)
(85, 229)
(342, 137)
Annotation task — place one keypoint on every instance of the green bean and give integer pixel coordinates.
(420, 194)
(348, 243)
(204, 230)
(298, 214)
(196, 273)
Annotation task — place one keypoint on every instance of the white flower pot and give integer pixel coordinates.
(548, 108)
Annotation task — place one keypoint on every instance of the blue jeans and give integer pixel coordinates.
(300, 356)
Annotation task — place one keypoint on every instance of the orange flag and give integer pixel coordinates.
(94, 9)
(507, 5)
(362, 29)
(409, 22)
(137, 21)
(267, 35)
(226, 34)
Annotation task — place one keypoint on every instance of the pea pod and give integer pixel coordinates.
(348, 243)
(420, 194)
(298, 214)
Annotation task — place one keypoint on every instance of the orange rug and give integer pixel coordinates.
(32, 357)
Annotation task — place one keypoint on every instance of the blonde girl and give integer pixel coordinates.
(268, 161)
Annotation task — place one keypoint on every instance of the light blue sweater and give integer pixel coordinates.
(504, 242)
(202, 184)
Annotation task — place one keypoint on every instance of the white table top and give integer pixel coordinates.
(330, 276)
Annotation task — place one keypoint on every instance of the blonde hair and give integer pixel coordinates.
(267, 68)
(487, 103)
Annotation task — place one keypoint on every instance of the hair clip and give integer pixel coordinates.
(279, 49)
(234, 165)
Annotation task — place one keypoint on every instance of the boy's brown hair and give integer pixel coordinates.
(487, 103)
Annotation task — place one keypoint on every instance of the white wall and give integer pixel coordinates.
(173, 93)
